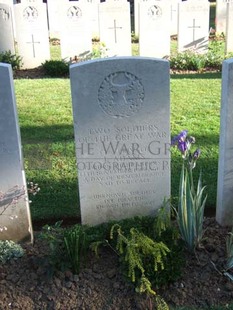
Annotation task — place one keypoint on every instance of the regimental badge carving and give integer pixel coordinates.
(4, 14)
(74, 12)
(121, 94)
(155, 12)
(30, 13)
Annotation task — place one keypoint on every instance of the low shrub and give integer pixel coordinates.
(143, 241)
(14, 60)
(9, 249)
(56, 68)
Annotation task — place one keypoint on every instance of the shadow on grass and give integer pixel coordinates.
(57, 200)
(47, 134)
(207, 75)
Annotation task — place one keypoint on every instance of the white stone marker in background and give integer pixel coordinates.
(193, 25)
(115, 29)
(15, 220)
(220, 19)
(121, 110)
(229, 27)
(76, 28)
(6, 29)
(174, 17)
(224, 211)
(54, 18)
(32, 32)
(154, 33)
(136, 15)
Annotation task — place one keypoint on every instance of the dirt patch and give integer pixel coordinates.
(25, 283)
(35, 73)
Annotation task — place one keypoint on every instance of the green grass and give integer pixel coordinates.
(195, 106)
(45, 116)
(48, 144)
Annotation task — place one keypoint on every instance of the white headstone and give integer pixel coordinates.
(220, 19)
(15, 221)
(94, 18)
(115, 28)
(229, 28)
(6, 29)
(121, 111)
(32, 32)
(76, 29)
(136, 15)
(174, 17)
(193, 25)
(154, 33)
(224, 211)
(54, 18)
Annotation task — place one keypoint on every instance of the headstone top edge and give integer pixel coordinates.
(6, 69)
(228, 61)
(4, 65)
(113, 59)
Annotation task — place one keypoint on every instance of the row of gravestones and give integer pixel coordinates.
(122, 138)
(24, 27)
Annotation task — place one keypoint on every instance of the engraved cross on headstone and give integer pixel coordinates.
(115, 30)
(194, 27)
(33, 45)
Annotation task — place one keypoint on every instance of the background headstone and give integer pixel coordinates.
(193, 25)
(121, 111)
(32, 32)
(115, 28)
(136, 15)
(76, 28)
(95, 18)
(54, 18)
(15, 221)
(229, 27)
(6, 29)
(220, 19)
(174, 17)
(154, 33)
(224, 210)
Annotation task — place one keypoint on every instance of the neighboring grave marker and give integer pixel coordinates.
(224, 210)
(174, 16)
(115, 29)
(121, 111)
(6, 29)
(220, 19)
(54, 18)
(76, 30)
(32, 33)
(229, 27)
(15, 221)
(193, 25)
(154, 33)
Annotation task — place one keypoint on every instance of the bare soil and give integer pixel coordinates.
(26, 284)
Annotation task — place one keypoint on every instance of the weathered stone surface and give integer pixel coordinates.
(121, 112)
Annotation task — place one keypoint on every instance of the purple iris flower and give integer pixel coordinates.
(182, 146)
(196, 154)
(180, 137)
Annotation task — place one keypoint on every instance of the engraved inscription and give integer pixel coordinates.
(155, 12)
(121, 94)
(30, 13)
(74, 12)
(4, 14)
